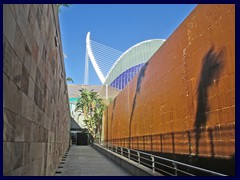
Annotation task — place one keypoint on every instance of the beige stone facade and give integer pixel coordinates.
(35, 106)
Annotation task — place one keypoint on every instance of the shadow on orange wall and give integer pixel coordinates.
(212, 65)
(138, 88)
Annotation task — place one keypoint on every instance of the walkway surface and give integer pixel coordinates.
(86, 161)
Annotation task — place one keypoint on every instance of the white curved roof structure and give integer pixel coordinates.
(115, 68)
(136, 55)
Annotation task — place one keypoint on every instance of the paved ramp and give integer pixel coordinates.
(86, 161)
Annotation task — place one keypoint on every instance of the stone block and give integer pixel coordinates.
(38, 77)
(44, 10)
(35, 50)
(35, 109)
(12, 156)
(9, 126)
(43, 107)
(37, 97)
(15, 98)
(9, 29)
(24, 80)
(6, 90)
(50, 137)
(36, 150)
(19, 44)
(39, 17)
(16, 70)
(48, 123)
(40, 45)
(38, 167)
(46, 78)
(40, 117)
(32, 15)
(27, 107)
(32, 44)
(15, 172)
(43, 86)
(31, 88)
(44, 31)
(47, 95)
(37, 35)
(26, 149)
(27, 170)
(18, 154)
(27, 58)
(11, 6)
(43, 135)
(16, 128)
(41, 68)
(34, 131)
(49, 149)
(29, 37)
(33, 70)
(44, 54)
(49, 169)
(7, 157)
(7, 57)
(22, 23)
(20, 10)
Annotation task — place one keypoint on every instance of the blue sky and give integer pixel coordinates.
(118, 26)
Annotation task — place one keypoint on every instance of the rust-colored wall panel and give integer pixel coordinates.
(183, 100)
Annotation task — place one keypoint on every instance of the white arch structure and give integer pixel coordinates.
(92, 58)
(109, 63)
(101, 56)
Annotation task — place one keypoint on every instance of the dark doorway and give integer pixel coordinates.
(82, 139)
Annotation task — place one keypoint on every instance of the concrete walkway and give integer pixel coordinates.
(86, 161)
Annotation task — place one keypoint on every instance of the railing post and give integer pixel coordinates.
(151, 143)
(153, 164)
(137, 143)
(144, 143)
(116, 149)
(138, 157)
(175, 168)
(121, 151)
(128, 154)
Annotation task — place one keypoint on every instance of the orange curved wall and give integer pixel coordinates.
(183, 100)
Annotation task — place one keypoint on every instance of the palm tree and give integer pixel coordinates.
(98, 117)
(92, 107)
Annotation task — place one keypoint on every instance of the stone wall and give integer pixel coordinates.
(183, 100)
(36, 110)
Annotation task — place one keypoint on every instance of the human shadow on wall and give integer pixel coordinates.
(139, 82)
(212, 64)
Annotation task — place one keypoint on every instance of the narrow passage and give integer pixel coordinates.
(86, 161)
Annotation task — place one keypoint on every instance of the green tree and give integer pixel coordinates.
(91, 107)
(70, 80)
(59, 6)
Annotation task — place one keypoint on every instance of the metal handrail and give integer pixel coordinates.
(153, 161)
